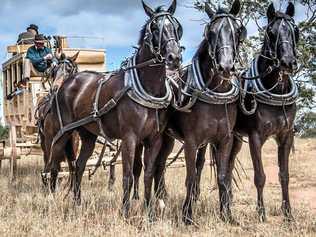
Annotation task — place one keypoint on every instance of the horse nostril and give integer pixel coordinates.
(171, 57)
(226, 68)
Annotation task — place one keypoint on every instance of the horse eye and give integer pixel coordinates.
(154, 28)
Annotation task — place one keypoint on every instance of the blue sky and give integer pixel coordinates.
(117, 22)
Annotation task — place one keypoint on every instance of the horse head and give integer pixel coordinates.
(224, 33)
(65, 67)
(162, 34)
(281, 38)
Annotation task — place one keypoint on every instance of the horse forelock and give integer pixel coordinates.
(159, 9)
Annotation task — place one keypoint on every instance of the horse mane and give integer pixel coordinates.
(143, 30)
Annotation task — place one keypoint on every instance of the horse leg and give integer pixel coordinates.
(200, 160)
(190, 149)
(55, 168)
(137, 169)
(237, 144)
(128, 156)
(57, 152)
(159, 177)
(70, 152)
(45, 157)
(285, 142)
(151, 153)
(112, 178)
(222, 155)
(255, 145)
(87, 146)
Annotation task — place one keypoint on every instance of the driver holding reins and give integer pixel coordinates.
(38, 59)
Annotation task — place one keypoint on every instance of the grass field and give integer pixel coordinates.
(25, 210)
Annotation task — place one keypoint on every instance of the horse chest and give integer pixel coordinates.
(271, 124)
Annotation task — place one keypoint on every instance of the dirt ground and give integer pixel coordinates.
(26, 210)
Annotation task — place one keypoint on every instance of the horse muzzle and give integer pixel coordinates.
(173, 61)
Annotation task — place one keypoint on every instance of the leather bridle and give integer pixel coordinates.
(214, 50)
(149, 36)
(63, 63)
(273, 51)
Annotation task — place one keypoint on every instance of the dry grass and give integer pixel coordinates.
(25, 210)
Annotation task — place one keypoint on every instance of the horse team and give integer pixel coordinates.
(147, 110)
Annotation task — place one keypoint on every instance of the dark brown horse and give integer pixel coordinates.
(138, 116)
(274, 116)
(66, 67)
(212, 117)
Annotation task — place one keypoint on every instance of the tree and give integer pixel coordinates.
(254, 11)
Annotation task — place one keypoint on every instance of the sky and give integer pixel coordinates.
(114, 25)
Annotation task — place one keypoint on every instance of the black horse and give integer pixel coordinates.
(275, 112)
(212, 113)
(268, 109)
(130, 105)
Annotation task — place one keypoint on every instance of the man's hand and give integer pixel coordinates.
(48, 57)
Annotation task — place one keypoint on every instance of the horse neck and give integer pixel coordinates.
(151, 77)
(281, 82)
(214, 80)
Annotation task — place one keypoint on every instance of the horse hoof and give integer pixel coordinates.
(110, 188)
(227, 218)
(187, 220)
(289, 218)
(125, 213)
(77, 202)
(152, 218)
(262, 217)
(261, 214)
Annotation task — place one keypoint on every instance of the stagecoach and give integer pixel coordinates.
(19, 111)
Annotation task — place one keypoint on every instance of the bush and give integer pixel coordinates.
(306, 125)
(4, 132)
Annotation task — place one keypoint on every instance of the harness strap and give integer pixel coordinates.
(92, 118)
(58, 111)
(153, 61)
(98, 164)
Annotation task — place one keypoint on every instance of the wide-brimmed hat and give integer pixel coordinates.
(39, 38)
(33, 27)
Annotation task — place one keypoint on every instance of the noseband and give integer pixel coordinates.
(149, 38)
(213, 51)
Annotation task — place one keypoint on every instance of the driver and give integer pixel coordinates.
(38, 59)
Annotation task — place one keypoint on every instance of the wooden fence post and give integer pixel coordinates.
(13, 160)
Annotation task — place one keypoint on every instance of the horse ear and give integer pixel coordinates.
(173, 7)
(290, 10)
(74, 58)
(235, 8)
(150, 12)
(209, 10)
(271, 12)
(62, 57)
